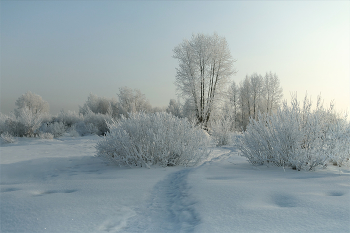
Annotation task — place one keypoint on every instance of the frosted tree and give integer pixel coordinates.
(33, 103)
(256, 89)
(174, 108)
(245, 101)
(232, 106)
(99, 105)
(257, 94)
(273, 93)
(131, 101)
(205, 66)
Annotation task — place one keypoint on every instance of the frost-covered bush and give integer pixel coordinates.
(101, 105)
(131, 101)
(7, 138)
(57, 129)
(69, 118)
(97, 121)
(158, 138)
(174, 108)
(26, 124)
(4, 119)
(221, 133)
(297, 137)
(46, 135)
(85, 129)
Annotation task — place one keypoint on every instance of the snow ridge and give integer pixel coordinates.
(171, 207)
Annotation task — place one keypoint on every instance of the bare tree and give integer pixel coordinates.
(205, 65)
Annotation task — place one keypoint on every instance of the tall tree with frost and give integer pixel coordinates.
(205, 65)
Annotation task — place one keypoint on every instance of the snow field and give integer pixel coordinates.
(59, 186)
(234, 196)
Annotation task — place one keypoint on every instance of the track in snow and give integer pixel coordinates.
(171, 207)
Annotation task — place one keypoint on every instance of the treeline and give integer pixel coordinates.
(32, 118)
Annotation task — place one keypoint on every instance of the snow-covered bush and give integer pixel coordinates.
(158, 138)
(46, 135)
(221, 133)
(85, 129)
(57, 129)
(69, 118)
(174, 108)
(97, 121)
(297, 137)
(4, 119)
(131, 101)
(6, 138)
(25, 125)
(101, 105)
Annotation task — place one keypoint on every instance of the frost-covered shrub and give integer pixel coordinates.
(99, 121)
(297, 137)
(220, 132)
(46, 135)
(131, 101)
(174, 108)
(55, 128)
(69, 118)
(26, 124)
(4, 119)
(158, 138)
(85, 129)
(7, 138)
(101, 105)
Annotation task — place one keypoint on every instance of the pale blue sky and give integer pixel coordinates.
(64, 50)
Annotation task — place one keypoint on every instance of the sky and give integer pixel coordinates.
(65, 50)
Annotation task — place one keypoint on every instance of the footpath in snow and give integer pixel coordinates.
(59, 186)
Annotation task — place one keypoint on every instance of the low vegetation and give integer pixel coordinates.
(150, 139)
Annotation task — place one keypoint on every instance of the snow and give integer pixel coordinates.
(59, 186)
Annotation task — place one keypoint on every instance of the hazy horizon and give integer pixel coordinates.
(63, 51)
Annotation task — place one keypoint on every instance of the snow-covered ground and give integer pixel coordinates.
(59, 186)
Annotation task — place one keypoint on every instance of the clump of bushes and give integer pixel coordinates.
(297, 137)
(148, 139)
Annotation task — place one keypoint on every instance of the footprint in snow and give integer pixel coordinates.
(40, 193)
(336, 193)
(171, 208)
